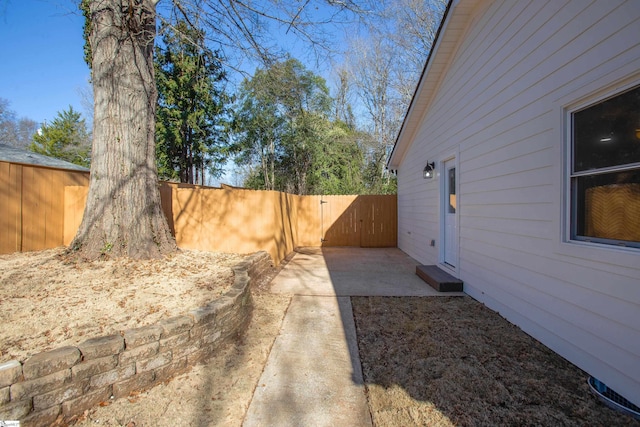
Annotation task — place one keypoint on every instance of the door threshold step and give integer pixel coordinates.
(438, 279)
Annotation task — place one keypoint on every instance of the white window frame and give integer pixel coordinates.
(570, 223)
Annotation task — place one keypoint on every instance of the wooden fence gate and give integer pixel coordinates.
(41, 208)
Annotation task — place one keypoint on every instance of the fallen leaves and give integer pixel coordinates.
(46, 302)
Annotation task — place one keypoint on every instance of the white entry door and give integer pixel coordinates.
(449, 214)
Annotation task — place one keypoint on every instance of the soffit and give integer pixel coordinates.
(449, 38)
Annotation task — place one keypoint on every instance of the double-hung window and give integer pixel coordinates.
(605, 171)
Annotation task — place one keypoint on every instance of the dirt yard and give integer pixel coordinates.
(47, 302)
(39, 289)
(217, 393)
(450, 361)
(427, 361)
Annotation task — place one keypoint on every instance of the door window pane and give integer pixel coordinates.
(452, 190)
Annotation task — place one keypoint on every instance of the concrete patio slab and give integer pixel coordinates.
(313, 375)
(353, 272)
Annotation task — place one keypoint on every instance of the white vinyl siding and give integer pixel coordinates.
(501, 106)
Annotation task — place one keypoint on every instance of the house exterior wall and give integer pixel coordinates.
(501, 110)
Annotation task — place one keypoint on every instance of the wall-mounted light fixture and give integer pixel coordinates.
(428, 171)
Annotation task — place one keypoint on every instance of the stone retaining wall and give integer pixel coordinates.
(69, 380)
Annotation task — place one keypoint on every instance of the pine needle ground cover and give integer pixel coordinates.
(451, 361)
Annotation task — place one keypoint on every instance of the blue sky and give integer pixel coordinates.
(42, 68)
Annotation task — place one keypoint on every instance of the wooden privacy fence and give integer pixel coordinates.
(32, 209)
(364, 221)
(214, 219)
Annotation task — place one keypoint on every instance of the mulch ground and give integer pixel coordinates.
(451, 361)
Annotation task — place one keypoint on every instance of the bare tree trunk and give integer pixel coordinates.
(264, 161)
(272, 164)
(123, 215)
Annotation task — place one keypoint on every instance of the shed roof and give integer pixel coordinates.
(18, 155)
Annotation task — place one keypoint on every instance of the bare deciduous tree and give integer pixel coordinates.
(385, 64)
(15, 131)
(372, 66)
(416, 23)
(123, 216)
(342, 102)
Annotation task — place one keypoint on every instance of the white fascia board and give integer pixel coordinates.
(457, 10)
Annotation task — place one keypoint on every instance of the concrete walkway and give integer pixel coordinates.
(313, 375)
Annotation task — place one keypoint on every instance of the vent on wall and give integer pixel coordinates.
(612, 399)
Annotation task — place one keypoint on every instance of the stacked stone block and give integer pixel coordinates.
(64, 382)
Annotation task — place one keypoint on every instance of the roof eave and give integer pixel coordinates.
(431, 76)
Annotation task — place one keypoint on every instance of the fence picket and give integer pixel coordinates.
(42, 208)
